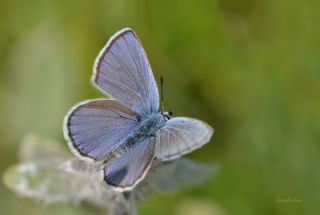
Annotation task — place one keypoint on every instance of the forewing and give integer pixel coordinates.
(128, 170)
(180, 136)
(93, 128)
(122, 71)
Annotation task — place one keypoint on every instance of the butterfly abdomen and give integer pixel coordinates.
(148, 128)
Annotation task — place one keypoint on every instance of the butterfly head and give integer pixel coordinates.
(167, 115)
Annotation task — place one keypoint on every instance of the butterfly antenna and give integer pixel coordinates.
(161, 92)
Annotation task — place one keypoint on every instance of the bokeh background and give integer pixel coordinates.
(250, 68)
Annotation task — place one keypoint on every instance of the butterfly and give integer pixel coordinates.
(127, 132)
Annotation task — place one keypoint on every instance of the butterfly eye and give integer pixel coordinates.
(167, 115)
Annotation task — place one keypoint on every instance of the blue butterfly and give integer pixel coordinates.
(127, 132)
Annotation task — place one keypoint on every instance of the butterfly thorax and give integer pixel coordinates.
(150, 125)
(147, 128)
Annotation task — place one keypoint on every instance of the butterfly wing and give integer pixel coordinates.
(93, 128)
(180, 136)
(122, 71)
(129, 169)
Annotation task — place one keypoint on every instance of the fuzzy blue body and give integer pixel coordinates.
(148, 127)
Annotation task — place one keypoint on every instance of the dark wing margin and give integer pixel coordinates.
(93, 128)
(122, 70)
(128, 170)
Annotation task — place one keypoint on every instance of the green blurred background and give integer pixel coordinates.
(250, 68)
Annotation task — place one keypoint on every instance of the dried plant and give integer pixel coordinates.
(46, 172)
